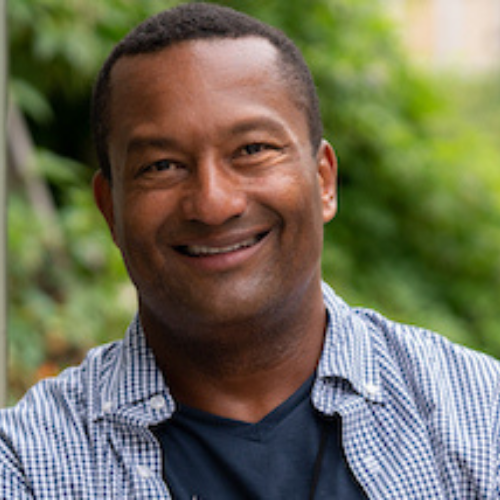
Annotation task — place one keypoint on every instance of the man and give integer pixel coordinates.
(243, 375)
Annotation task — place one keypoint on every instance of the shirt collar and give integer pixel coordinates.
(133, 386)
(348, 352)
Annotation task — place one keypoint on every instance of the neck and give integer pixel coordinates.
(241, 370)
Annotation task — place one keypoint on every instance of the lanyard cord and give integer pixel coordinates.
(319, 459)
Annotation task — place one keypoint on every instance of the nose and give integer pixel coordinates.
(214, 195)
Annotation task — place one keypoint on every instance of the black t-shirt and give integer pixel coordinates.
(289, 454)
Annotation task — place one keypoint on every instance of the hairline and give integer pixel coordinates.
(288, 62)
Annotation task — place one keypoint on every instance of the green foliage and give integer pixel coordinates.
(68, 288)
(419, 228)
(67, 284)
(418, 231)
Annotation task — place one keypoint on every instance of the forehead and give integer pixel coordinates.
(219, 54)
(213, 66)
(201, 94)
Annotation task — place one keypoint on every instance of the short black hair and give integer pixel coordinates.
(197, 21)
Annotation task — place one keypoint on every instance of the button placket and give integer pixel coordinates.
(157, 402)
(144, 471)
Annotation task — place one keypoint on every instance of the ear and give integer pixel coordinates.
(327, 174)
(104, 200)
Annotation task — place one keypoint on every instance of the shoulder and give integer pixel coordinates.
(408, 344)
(432, 404)
(44, 439)
(54, 413)
(411, 359)
(74, 388)
(432, 370)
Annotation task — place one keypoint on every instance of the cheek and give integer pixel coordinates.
(140, 219)
(301, 195)
(297, 201)
(309, 214)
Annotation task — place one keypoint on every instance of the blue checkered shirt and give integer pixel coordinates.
(420, 417)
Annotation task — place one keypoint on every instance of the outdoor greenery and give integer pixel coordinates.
(418, 231)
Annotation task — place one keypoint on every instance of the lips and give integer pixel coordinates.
(213, 250)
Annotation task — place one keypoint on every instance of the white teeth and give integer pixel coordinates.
(199, 250)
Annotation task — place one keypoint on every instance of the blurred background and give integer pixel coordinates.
(410, 94)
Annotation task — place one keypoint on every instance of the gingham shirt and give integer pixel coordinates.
(420, 417)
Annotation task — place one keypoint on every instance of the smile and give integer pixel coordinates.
(208, 251)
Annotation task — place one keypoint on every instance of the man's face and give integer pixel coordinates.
(217, 201)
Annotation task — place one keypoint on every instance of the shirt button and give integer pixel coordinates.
(157, 402)
(107, 406)
(144, 471)
(372, 389)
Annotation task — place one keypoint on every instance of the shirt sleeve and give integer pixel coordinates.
(496, 437)
(13, 481)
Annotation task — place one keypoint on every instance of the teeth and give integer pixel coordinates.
(199, 250)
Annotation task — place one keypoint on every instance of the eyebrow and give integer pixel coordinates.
(260, 123)
(141, 143)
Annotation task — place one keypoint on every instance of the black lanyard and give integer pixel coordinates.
(319, 460)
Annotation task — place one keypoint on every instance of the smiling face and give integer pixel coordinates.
(217, 201)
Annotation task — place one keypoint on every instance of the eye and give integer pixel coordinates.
(252, 149)
(257, 148)
(258, 154)
(162, 166)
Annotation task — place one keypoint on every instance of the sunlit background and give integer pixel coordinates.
(411, 101)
